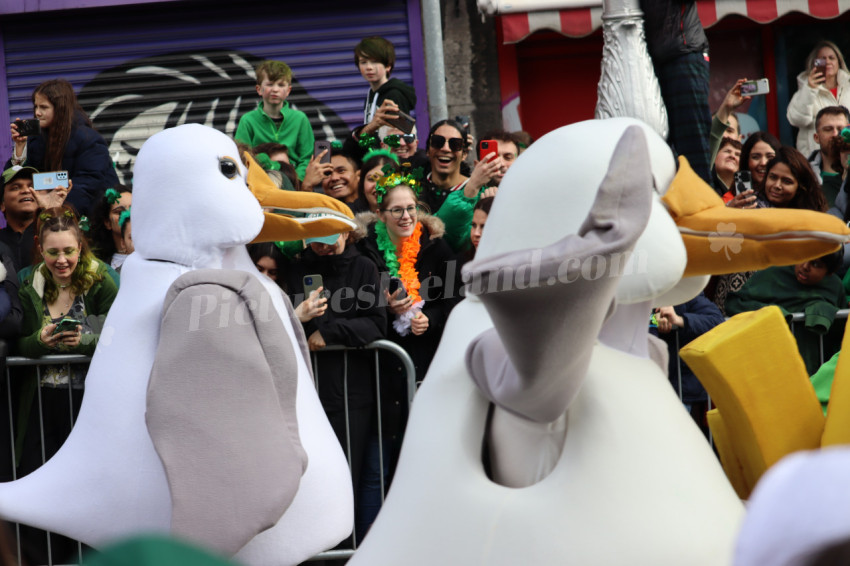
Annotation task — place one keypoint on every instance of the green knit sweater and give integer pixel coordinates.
(295, 132)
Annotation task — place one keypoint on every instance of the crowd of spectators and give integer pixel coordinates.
(421, 210)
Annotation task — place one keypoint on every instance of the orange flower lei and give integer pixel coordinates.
(407, 263)
(403, 267)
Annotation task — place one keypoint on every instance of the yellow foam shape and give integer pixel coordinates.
(720, 239)
(728, 456)
(837, 430)
(753, 372)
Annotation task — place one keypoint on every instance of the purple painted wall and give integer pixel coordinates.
(25, 6)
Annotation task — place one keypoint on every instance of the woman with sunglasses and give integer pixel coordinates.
(447, 149)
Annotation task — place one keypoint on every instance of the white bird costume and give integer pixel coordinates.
(545, 369)
(207, 350)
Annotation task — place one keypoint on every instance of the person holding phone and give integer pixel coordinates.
(66, 282)
(447, 149)
(386, 97)
(67, 142)
(354, 317)
(405, 243)
(64, 300)
(824, 82)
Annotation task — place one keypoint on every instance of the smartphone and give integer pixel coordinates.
(319, 147)
(48, 181)
(66, 324)
(743, 182)
(820, 65)
(463, 121)
(755, 88)
(28, 127)
(395, 285)
(486, 147)
(404, 122)
(311, 283)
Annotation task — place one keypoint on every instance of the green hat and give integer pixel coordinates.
(16, 170)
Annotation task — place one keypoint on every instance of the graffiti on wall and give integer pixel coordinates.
(132, 101)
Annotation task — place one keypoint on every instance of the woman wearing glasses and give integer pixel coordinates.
(65, 300)
(415, 263)
(407, 245)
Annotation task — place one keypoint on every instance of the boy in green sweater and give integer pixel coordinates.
(274, 120)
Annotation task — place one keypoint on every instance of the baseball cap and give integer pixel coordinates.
(14, 171)
(329, 240)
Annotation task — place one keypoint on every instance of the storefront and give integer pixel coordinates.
(549, 60)
(139, 67)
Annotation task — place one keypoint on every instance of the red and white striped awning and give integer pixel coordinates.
(580, 21)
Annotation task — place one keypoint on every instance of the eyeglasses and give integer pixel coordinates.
(398, 213)
(393, 139)
(54, 253)
(437, 142)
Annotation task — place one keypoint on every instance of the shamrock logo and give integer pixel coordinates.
(726, 239)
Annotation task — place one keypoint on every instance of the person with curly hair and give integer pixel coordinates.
(67, 283)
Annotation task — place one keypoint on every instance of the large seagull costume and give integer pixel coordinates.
(543, 433)
(188, 424)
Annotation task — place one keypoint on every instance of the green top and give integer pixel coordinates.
(98, 299)
(822, 381)
(295, 132)
(456, 214)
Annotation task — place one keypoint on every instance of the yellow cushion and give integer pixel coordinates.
(728, 455)
(753, 372)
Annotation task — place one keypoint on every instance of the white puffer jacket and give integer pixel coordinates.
(806, 103)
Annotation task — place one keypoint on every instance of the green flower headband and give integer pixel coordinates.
(392, 178)
(383, 151)
(44, 216)
(112, 196)
(368, 141)
(336, 144)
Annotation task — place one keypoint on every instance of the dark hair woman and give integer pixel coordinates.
(67, 142)
(107, 241)
(373, 169)
(791, 183)
(759, 148)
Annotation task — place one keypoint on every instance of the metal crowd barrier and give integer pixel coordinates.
(48, 541)
(375, 347)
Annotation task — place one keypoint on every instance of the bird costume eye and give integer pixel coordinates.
(228, 167)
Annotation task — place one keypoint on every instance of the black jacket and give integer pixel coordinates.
(354, 317)
(672, 28)
(87, 161)
(399, 92)
(700, 315)
(438, 272)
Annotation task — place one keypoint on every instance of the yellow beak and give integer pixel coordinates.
(721, 239)
(295, 215)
